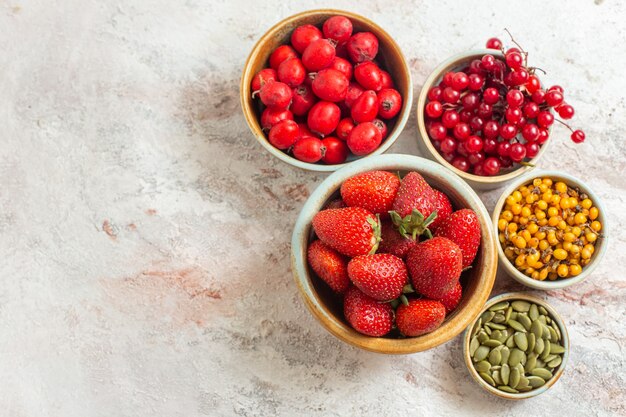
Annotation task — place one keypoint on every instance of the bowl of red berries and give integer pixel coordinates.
(486, 115)
(394, 254)
(323, 88)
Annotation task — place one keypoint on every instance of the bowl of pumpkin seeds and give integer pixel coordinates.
(518, 347)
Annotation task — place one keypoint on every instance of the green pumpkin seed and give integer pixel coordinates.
(520, 368)
(542, 373)
(482, 336)
(516, 357)
(507, 315)
(540, 363)
(513, 316)
(497, 377)
(531, 362)
(487, 316)
(488, 329)
(542, 319)
(543, 310)
(496, 334)
(514, 378)
(537, 329)
(556, 348)
(478, 327)
(553, 335)
(496, 368)
(506, 388)
(519, 305)
(550, 357)
(546, 351)
(499, 319)
(495, 357)
(531, 341)
(516, 325)
(555, 362)
(548, 320)
(495, 326)
(505, 352)
(487, 378)
(524, 389)
(504, 374)
(535, 381)
(526, 322)
(499, 306)
(539, 346)
(523, 382)
(556, 329)
(521, 341)
(492, 343)
(510, 343)
(481, 353)
(482, 366)
(474, 343)
(533, 312)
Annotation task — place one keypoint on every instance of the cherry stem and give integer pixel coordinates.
(564, 124)
(515, 42)
(537, 68)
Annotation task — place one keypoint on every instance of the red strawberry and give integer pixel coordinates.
(442, 206)
(462, 227)
(435, 266)
(413, 206)
(366, 315)
(351, 231)
(381, 276)
(452, 298)
(374, 191)
(329, 265)
(421, 316)
(335, 204)
(414, 193)
(391, 241)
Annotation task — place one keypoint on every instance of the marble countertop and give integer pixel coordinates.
(145, 233)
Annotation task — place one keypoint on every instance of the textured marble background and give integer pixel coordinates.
(144, 233)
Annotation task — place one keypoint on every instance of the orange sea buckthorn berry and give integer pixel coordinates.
(594, 213)
(596, 226)
(575, 270)
(560, 187)
(586, 203)
(560, 254)
(562, 270)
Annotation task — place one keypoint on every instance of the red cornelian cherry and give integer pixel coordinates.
(318, 55)
(491, 166)
(545, 118)
(344, 127)
(343, 65)
(362, 46)
(281, 54)
(303, 35)
(265, 76)
(292, 72)
(389, 103)
(303, 99)
(308, 149)
(323, 117)
(382, 127)
(354, 92)
(491, 96)
(284, 134)
(276, 95)
(433, 109)
(335, 150)
(365, 108)
(387, 80)
(450, 118)
(515, 98)
(330, 85)
(337, 28)
(494, 43)
(364, 138)
(554, 98)
(578, 136)
(272, 116)
(565, 111)
(368, 75)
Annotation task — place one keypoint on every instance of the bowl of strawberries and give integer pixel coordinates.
(394, 254)
(323, 88)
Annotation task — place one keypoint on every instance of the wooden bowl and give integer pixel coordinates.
(327, 308)
(601, 243)
(389, 56)
(522, 395)
(478, 182)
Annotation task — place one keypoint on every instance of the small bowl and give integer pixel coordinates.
(522, 395)
(478, 182)
(389, 56)
(327, 308)
(601, 243)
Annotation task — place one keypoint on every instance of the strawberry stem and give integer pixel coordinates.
(404, 300)
(376, 229)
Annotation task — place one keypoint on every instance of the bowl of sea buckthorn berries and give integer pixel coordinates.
(486, 115)
(551, 229)
(323, 88)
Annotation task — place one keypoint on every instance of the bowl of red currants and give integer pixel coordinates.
(485, 115)
(323, 88)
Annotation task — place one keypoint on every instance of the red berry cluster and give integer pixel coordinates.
(493, 113)
(324, 95)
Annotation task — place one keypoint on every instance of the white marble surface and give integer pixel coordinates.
(144, 233)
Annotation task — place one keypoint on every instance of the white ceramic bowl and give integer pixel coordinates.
(559, 371)
(478, 182)
(601, 243)
(327, 308)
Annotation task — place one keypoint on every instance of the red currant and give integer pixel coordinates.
(433, 109)
(545, 118)
(508, 131)
(434, 94)
(491, 129)
(539, 96)
(491, 96)
(461, 163)
(470, 101)
(530, 110)
(473, 144)
(476, 124)
(517, 152)
(450, 95)
(490, 146)
(578, 136)
(461, 131)
(530, 132)
(460, 81)
(448, 145)
(450, 118)
(532, 149)
(554, 98)
(533, 84)
(514, 60)
(476, 158)
(484, 110)
(565, 111)
(513, 114)
(494, 43)
(491, 166)
(515, 98)
(476, 82)
(437, 131)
